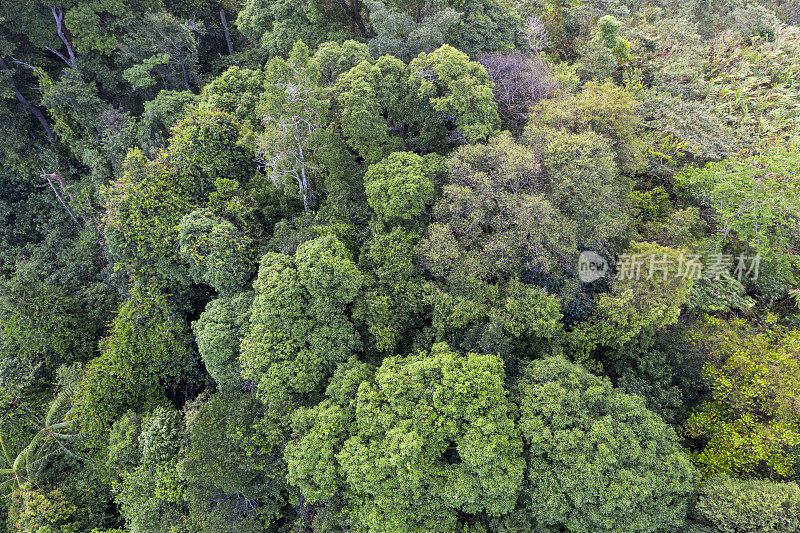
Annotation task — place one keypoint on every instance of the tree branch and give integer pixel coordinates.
(353, 10)
(59, 54)
(32, 109)
(60, 199)
(58, 14)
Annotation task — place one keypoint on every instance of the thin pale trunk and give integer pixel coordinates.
(304, 190)
(60, 199)
(185, 76)
(227, 33)
(59, 54)
(63, 184)
(58, 14)
(302, 179)
(303, 184)
(32, 109)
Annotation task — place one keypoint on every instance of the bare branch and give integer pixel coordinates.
(535, 33)
(519, 82)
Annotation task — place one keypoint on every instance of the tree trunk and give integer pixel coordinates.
(227, 33)
(302, 179)
(58, 14)
(352, 9)
(32, 109)
(60, 199)
(303, 184)
(181, 62)
(304, 191)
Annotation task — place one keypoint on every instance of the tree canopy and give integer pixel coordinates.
(474, 266)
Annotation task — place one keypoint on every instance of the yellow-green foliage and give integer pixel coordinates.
(33, 510)
(146, 204)
(433, 438)
(143, 210)
(392, 297)
(606, 109)
(646, 294)
(147, 351)
(734, 506)
(235, 91)
(751, 425)
(399, 186)
(299, 330)
(151, 495)
(457, 87)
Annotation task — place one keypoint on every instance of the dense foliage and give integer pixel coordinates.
(483, 266)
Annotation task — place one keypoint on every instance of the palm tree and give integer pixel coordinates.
(55, 432)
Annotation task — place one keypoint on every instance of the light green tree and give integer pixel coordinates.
(237, 91)
(151, 494)
(382, 111)
(392, 299)
(647, 294)
(432, 438)
(459, 89)
(754, 197)
(147, 352)
(299, 329)
(399, 186)
(606, 109)
(749, 426)
(332, 59)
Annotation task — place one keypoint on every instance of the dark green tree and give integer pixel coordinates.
(147, 354)
(151, 495)
(598, 460)
(234, 474)
(494, 221)
(218, 333)
(217, 252)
